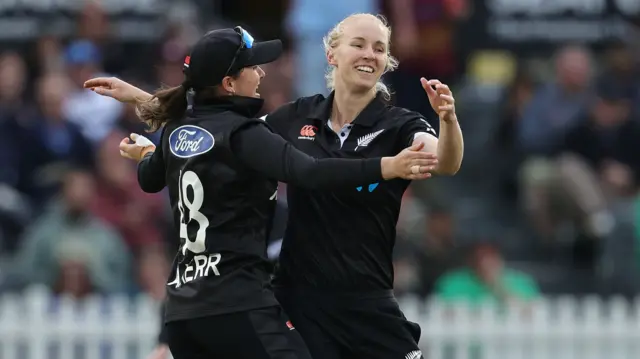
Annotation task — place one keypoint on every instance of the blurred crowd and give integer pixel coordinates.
(546, 201)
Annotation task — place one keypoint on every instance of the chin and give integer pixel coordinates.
(362, 86)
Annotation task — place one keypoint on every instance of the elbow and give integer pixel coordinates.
(448, 171)
(448, 168)
(151, 187)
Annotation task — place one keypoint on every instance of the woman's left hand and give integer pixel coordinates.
(440, 98)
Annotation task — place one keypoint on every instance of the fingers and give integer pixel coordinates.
(412, 155)
(126, 148)
(125, 141)
(427, 86)
(416, 146)
(97, 82)
(447, 99)
(419, 176)
(103, 91)
(425, 163)
(442, 88)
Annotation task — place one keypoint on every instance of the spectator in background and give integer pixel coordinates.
(486, 279)
(558, 105)
(70, 250)
(95, 114)
(419, 262)
(438, 253)
(515, 99)
(622, 71)
(120, 202)
(554, 109)
(153, 271)
(49, 144)
(600, 166)
(13, 82)
(423, 42)
(49, 55)
(14, 205)
(308, 21)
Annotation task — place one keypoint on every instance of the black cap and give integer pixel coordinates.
(212, 56)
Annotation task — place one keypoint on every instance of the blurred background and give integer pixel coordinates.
(531, 251)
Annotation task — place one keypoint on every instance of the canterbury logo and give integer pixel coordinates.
(416, 354)
(308, 132)
(365, 140)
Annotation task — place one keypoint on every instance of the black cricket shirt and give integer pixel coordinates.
(343, 239)
(221, 168)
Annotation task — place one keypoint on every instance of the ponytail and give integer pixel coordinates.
(165, 105)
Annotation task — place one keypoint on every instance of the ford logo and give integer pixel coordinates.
(189, 141)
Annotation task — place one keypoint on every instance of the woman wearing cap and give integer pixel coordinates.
(221, 166)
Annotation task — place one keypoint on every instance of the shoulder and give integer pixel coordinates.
(401, 115)
(407, 121)
(301, 106)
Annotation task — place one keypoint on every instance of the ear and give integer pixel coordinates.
(331, 59)
(228, 84)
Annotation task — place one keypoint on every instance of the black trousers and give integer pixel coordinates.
(264, 333)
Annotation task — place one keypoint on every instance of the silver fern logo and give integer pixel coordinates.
(416, 354)
(365, 140)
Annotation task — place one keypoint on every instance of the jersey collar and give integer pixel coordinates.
(371, 114)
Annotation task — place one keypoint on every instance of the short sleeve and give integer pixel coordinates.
(414, 127)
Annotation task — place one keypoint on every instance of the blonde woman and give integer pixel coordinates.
(335, 272)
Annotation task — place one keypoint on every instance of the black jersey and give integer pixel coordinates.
(343, 239)
(221, 168)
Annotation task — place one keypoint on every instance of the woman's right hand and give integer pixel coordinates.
(410, 164)
(135, 147)
(118, 89)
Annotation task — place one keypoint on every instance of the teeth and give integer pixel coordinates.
(365, 69)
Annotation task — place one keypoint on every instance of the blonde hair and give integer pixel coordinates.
(331, 41)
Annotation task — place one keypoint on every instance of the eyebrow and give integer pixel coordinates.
(363, 39)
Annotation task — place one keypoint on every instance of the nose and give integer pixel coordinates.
(368, 53)
(261, 72)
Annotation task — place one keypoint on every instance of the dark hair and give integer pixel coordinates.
(166, 104)
(170, 103)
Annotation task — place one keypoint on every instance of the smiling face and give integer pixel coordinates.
(246, 83)
(360, 52)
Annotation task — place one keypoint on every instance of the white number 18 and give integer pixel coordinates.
(186, 180)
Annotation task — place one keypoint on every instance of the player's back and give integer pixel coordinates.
(222, 211)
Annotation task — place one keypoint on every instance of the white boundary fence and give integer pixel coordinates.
(37, 326)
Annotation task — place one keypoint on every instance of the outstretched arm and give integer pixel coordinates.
(265, 152)
(117, 89)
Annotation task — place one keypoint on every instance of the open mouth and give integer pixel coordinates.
(365, 69)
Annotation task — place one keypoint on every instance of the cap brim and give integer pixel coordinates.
(264, 52)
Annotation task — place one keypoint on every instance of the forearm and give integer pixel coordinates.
(141, 96)
(450, 148)
(151, 173)
(269, 154)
